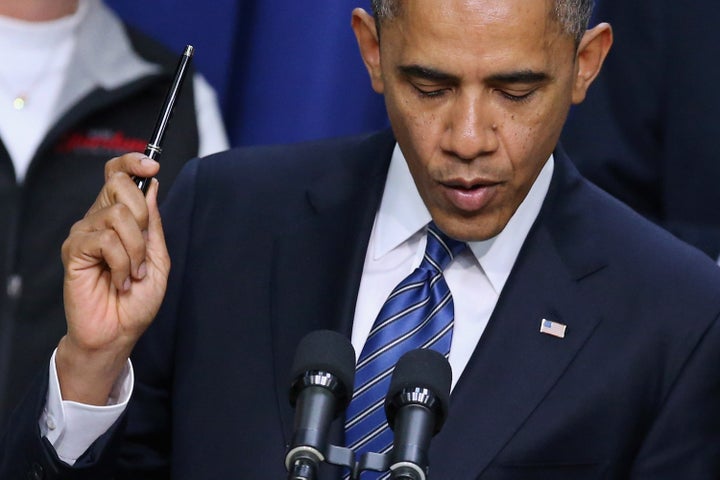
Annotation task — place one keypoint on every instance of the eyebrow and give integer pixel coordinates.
(418, 71)
(521, 76)
(517, 77)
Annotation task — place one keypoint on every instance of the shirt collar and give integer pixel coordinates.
(403, 214)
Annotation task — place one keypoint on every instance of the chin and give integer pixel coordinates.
(472, 229)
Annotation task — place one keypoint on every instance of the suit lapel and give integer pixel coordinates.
(514, 366)
(318, 263)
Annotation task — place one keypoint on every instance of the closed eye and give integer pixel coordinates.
(517, 98)
(428, 92)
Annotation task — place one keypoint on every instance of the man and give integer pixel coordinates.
(76, 88)
(648, 132)
(585, 341)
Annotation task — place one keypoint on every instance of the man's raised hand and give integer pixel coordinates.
(116, 268)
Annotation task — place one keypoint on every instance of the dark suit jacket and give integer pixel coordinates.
(648, 131)
(268, 244)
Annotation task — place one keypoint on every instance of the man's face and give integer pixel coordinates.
(477, 92)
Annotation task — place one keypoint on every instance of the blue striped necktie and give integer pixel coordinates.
(417, 314)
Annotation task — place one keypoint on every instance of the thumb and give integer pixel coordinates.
(157, 250)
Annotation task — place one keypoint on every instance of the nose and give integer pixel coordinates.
(470, 131)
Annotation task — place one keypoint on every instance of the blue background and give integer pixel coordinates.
(284, 70)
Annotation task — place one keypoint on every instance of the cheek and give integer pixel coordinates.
(414, 129)
(530, 135)
(517, 140)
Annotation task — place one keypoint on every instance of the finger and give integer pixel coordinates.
(121, 189)
(156, 246)
(132, 164)
(119, 219)
(119, 173)
(115, 255)
(88, 249)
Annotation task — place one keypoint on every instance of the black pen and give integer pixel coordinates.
(154, 146)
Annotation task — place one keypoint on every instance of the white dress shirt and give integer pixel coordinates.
(475, 278)
(397, 244)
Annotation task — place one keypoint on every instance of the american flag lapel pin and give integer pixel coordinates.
(552, 328)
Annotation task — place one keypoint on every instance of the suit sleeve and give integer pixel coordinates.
(685, 439)
(25, 454)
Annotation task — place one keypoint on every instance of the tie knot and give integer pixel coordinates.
(440, 249)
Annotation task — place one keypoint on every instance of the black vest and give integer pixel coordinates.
(62, 181)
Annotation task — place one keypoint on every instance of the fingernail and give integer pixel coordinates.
(147, 161)
(126, 285)
(142, 271)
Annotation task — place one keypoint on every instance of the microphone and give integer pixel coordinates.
(323, 375)
(416, 407)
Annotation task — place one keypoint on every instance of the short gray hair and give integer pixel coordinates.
(572, 15)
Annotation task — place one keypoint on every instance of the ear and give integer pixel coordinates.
(363, 24)
(591, 54)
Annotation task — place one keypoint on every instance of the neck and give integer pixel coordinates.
(37, 10)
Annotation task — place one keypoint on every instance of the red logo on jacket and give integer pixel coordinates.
(105, 142)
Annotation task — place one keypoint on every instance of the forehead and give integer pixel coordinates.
(475, 29)
(514, 12)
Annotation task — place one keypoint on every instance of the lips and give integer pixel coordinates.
(469, 195)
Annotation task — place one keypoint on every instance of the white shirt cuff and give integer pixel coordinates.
(72, 427)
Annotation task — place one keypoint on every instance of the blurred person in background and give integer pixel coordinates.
(76, 87)
(648, 131)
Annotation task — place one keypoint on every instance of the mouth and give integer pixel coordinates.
(470, 195)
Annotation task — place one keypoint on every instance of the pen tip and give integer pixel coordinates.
(189, 49)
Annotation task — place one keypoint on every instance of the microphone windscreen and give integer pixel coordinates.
(424, 368)
(327, 351)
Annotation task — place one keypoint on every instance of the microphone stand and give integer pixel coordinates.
(305, 468)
